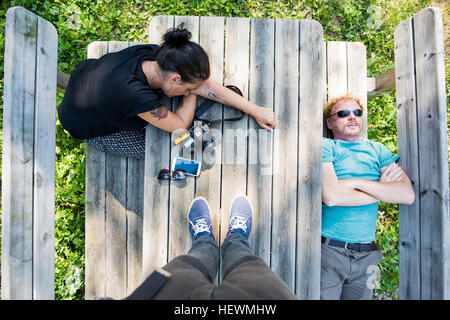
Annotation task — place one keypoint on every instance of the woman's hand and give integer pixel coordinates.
(265, 117)
(217, 92)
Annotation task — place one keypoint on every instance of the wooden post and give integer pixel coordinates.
(421, 103)
(28, 160)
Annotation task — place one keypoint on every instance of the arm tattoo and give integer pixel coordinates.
(213, 95)
(160, 113)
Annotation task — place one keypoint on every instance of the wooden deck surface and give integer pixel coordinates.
(135, 223)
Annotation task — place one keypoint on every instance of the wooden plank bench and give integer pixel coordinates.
(278, 63)
(28, 159)
(424, 233)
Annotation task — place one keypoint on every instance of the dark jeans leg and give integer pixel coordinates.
(246, 276)
(193, 274)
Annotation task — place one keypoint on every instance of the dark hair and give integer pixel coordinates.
(178, 54)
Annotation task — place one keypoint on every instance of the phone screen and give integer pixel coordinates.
(190, 166)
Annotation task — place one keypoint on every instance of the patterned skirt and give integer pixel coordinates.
(130, 144)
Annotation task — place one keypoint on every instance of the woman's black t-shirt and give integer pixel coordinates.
(105, 95)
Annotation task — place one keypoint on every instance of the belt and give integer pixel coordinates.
(352, 246)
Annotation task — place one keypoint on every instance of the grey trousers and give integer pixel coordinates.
(347, 274)
(245, 276)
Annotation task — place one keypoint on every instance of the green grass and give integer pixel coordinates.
(80, 22)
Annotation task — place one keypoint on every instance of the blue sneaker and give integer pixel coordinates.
(241, 213)
(199, 218)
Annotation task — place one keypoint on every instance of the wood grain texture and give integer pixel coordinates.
(208, 184)
(409, 215)
(28, 174)
(285, 150)
(260, 145)
(309, 187)
(433, 152)
(44, 162)
(234, 139)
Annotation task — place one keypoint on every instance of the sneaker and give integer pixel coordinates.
(199, 218)
(240, 216)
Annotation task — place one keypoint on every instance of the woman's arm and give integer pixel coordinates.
(170, 121)
(215, 91)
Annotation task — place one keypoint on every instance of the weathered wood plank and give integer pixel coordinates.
(115, 226)
(181, 192)
(135, 202)
(18, 157)
(44, 163)
(259, 180)
(156, 193)
(116, 215)
(433, 152)
(62, 80)
(285, 141)
(336, 74)
(325, 85)
(309, 200)
(95, 268)
(234, 143)
(382, 83)
(208, 184)
(409, 215)
(356, 77)
(135, 208)
(336, 69)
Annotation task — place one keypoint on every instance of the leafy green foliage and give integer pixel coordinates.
(80, 22)
(69, 219)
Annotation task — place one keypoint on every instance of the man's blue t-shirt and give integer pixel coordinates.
(362, 159)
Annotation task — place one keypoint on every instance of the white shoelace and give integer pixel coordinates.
(239, 222)
(201, 225)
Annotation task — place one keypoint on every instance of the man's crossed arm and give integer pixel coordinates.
(393, 186)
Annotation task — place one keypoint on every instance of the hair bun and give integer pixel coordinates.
(177, 36)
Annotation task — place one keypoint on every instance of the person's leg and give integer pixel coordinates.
(246, 276)
(335, 265)
(235, 248)
(124, 143)
(193, 274)
(360, 282)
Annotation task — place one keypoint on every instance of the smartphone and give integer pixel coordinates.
(191, 167)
